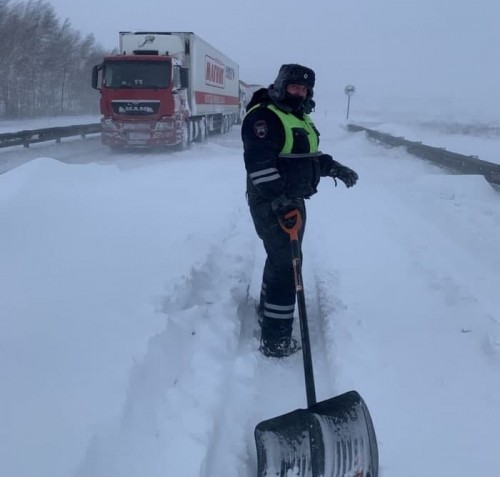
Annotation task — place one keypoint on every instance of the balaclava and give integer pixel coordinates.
(293, 74)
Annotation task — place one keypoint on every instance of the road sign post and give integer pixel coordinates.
(349, 90)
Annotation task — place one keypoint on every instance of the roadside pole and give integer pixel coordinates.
(349, 90)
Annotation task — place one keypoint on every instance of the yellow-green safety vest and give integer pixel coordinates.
(290, 122)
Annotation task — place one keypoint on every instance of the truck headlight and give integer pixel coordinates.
(165, 125)
(108, 125)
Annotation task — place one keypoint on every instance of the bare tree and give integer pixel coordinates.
(45, 63)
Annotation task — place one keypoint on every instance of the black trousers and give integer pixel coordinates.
(277, 300)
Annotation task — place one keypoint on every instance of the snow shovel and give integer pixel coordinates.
(332, 438)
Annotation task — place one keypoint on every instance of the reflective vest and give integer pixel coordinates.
(290, 122)
(300, 171)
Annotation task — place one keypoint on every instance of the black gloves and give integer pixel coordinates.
(283, 204)
(346, 175)
(334, 169)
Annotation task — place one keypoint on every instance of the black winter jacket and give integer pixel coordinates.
(268, 175)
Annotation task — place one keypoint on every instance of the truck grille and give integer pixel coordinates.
(135, 108)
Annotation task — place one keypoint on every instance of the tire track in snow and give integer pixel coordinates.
(175, 393)
(261, 388)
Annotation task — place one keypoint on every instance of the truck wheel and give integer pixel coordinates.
(184, 144)
(224, 128)
(202, 134)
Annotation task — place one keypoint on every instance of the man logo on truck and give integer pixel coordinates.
(135, 108)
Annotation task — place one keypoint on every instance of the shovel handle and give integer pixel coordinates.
(291, 223)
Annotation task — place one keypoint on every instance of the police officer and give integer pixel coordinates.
(284, 166)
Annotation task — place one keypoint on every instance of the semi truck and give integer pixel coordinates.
(246, 93)
(165, 89)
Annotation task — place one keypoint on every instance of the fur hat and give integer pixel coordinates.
(294, 74)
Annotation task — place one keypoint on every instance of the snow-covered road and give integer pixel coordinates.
(128, 340)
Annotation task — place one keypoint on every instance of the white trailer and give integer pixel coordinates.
(213, 86)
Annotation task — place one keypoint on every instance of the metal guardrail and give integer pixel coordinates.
(457, 162)
(25, 138)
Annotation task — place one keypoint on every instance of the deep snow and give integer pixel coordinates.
(128, 343)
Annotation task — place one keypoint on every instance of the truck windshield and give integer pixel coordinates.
(137, 74)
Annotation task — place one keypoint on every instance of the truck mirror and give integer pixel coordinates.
(95, 76)
(184, 74)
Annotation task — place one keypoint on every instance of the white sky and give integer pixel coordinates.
(127, 346)
(441, 54)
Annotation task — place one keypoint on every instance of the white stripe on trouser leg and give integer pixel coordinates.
(263, 172)
(266, 179)
(265, 175)
(281, 312)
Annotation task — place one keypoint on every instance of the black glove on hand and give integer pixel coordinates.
(283, 204)
(346, 175)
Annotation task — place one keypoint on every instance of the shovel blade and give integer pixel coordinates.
(333, 438)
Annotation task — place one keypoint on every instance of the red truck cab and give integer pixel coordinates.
(143, 100)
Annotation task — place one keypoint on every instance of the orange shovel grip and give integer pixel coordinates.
(293, 230)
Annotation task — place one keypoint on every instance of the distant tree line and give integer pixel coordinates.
(45, 65)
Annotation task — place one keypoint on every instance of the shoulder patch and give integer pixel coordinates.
(260, 128)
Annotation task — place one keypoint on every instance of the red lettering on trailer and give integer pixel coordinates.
(209, 98)
(214, 72)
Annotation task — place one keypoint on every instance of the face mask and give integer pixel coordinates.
(295, 102)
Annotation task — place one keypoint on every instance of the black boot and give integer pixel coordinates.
(279, 349)
(276, 339)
